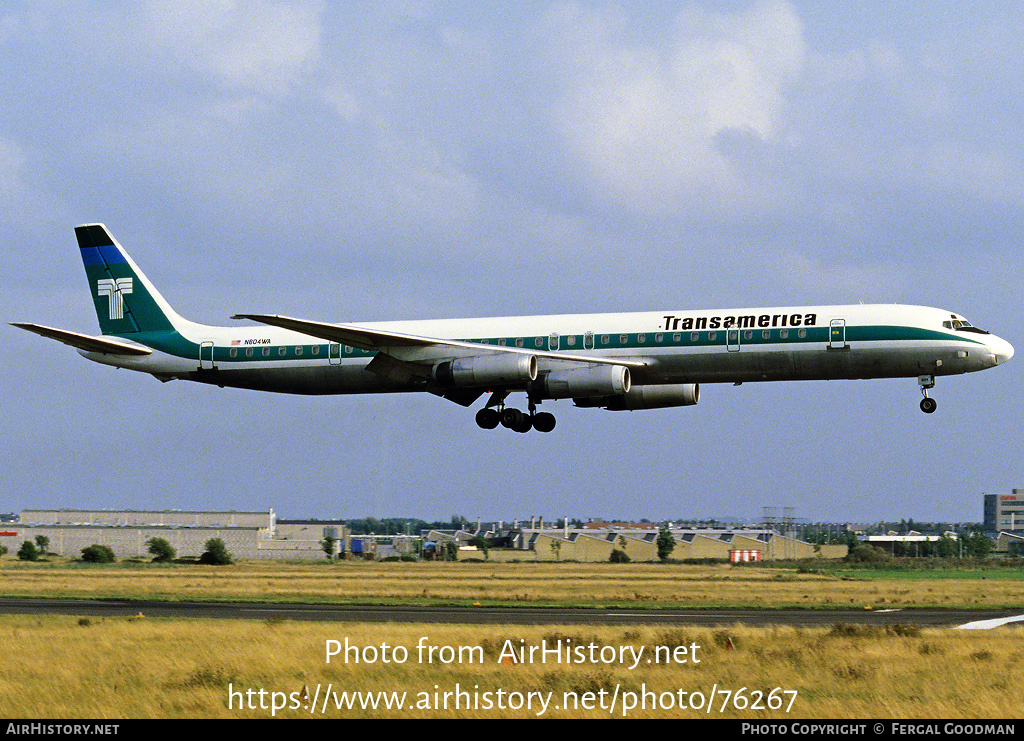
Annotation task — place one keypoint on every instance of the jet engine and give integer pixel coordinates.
(647, 397)
(501, 369)
(601, 380)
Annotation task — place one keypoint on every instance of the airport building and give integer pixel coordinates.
(254, 535)
(245, 534)
(594, 542)
(1004, 511)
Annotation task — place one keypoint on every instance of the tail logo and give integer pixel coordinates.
(114, 290)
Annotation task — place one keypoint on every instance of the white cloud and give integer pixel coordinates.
(12, 160)
(643, 119)
(253, 45)
(838, 281)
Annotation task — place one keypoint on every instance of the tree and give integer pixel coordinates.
(162, 550)
(96, 553)
(978, 545)
(42, 543)
(946, 547)
(216, 553)
(665, 543)
(327, 544)
(28, 552)
(450, 551)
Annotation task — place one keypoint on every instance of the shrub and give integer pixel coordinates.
(216, 553)
(28, 551)
(618, 556)
(867, 554)
(162, 550)
(96, 553)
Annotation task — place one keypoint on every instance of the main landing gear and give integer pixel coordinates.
(490, 417)
(928, 404)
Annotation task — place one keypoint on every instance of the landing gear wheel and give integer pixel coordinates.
(511, 418)
(927, 404)
(544, 422)
(488, 418)
(525, 425)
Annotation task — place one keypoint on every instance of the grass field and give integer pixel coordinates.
(64, 667)
(647, 586)
(79, 667)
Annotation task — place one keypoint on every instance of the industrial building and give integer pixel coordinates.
(595, 542)
(245, 534)
(253, 535)
(1004, 512)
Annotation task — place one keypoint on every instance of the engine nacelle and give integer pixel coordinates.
(500, 369)
(601, 380)
(647, 397)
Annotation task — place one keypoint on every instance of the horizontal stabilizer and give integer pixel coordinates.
(84, 341)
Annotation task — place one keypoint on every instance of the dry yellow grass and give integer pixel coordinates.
(636, 585)
(66, 667)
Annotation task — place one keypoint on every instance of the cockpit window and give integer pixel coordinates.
(962, 325)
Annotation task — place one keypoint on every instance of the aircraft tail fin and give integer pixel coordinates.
(126, 302)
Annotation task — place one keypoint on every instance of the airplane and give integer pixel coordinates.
(630, 361)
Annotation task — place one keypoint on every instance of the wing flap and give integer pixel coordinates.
(84, 341)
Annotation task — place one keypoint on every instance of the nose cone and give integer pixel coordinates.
(1001, 350)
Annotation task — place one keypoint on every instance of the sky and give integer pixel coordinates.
(404, 160)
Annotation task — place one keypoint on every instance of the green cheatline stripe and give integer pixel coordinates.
(173, 343)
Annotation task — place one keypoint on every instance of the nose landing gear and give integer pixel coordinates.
(928, 405)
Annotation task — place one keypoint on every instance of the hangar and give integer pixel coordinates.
(245, 534)
(254, 535)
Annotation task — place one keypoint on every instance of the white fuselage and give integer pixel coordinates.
(672, 347)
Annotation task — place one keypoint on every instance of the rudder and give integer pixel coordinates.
(126, 302)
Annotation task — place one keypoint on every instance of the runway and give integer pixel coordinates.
(502, 615)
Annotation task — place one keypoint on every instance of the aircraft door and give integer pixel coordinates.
(837, 334)
(732, 339)
(206, 356)
(334, 354)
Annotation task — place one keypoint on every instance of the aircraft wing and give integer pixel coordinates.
(84, 341)
(404, 346)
